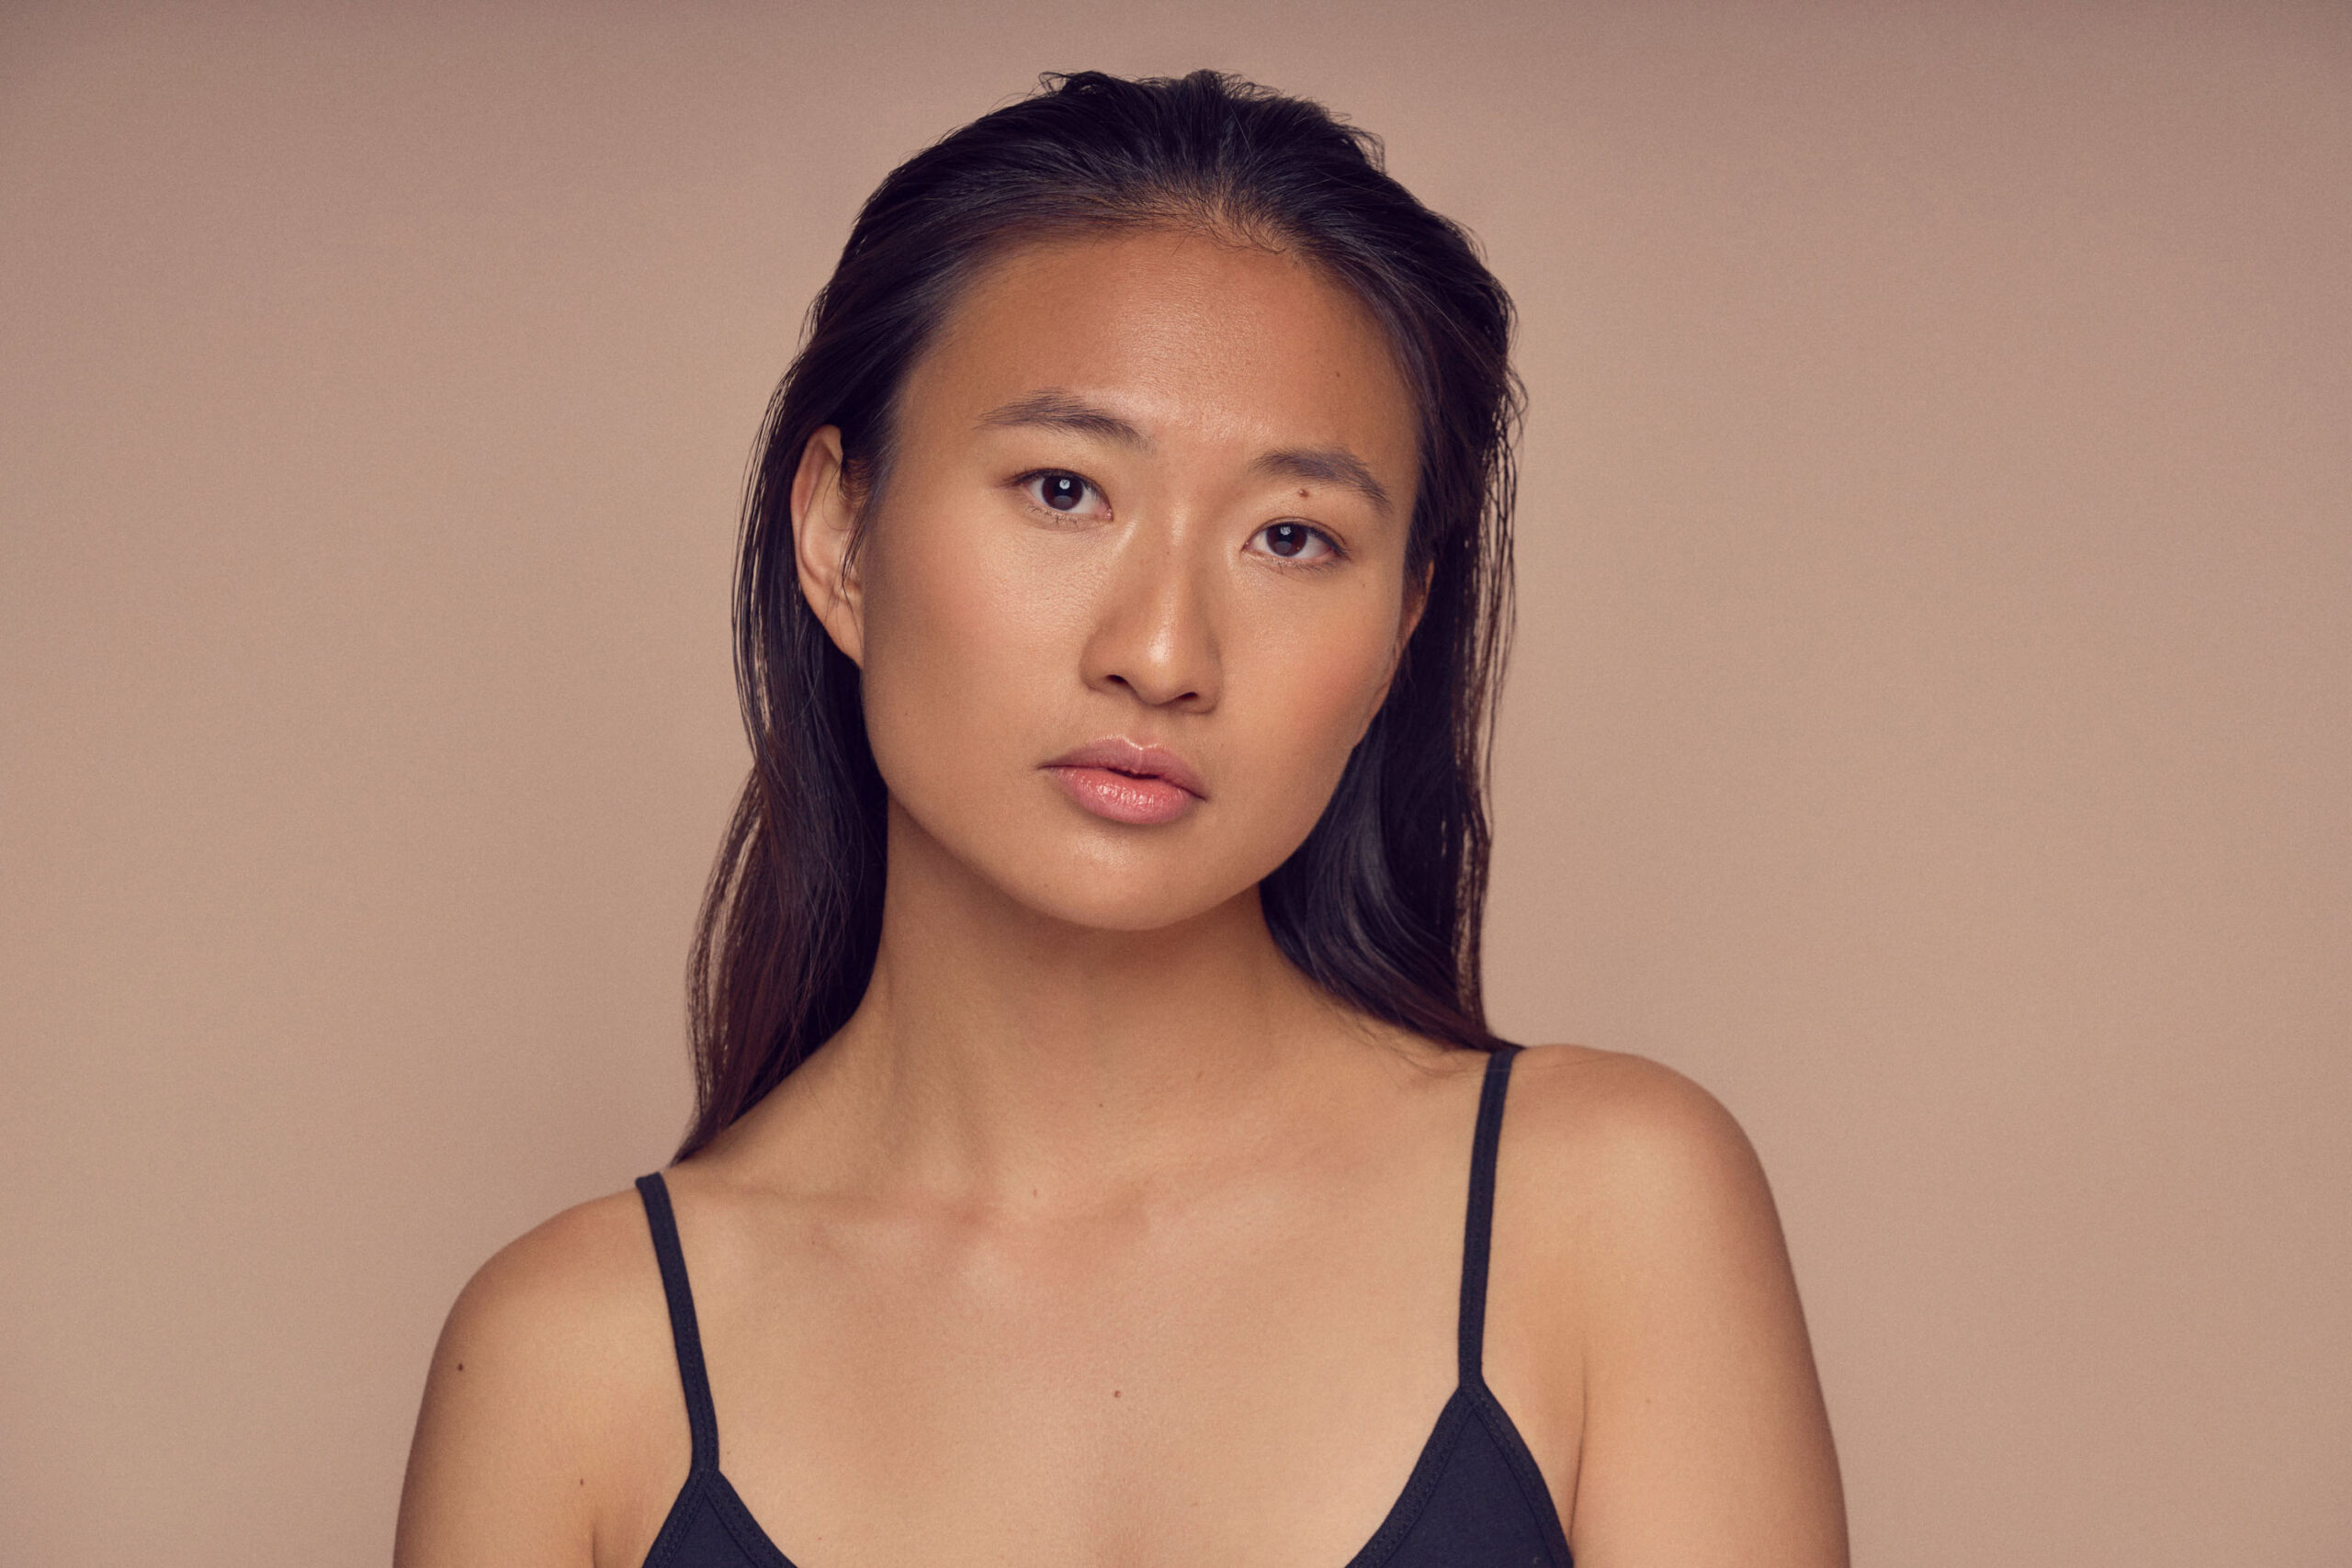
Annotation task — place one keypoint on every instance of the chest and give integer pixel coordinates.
(1250, 1386)
(1280, 1378)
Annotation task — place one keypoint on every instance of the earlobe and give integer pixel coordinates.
(824, 529)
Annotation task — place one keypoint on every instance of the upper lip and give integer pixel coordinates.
(1123, 756)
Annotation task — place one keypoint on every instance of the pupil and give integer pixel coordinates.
(1063, 491)
(1287, 539)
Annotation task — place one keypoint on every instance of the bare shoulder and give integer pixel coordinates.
(1637, 1186)
(1622, 1131)
(582, 1284)
(560, 1340)
(1657, 1245)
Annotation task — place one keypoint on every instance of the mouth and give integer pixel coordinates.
(1122, 782)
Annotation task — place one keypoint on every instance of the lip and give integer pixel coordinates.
(1122, 782)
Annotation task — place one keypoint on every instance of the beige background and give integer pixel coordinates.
(1930, 724)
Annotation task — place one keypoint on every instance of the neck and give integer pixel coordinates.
(1000, 1050)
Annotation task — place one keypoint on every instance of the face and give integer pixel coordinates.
(1135, 586)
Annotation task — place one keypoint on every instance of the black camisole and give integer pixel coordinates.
(1475, 1499)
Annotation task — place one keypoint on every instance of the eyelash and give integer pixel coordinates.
(1337, 551)
(1033, 475)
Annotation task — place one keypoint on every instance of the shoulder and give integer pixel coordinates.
(1660, 1286)
(558, 1343)
(1641, 1125)
(1625, 1161)
(582, 1283)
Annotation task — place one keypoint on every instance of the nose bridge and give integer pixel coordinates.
(1155, 632)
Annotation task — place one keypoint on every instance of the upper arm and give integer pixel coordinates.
(1705, 1440)
(507, 1468)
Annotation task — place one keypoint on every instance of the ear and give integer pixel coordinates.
(824, 526)
(1417, 599)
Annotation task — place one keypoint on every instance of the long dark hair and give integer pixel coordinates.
(1380, 904)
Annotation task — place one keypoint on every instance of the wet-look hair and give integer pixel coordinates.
(1382, 903)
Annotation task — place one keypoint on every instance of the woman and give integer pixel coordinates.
(1126, 572)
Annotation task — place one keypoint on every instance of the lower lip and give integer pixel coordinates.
(1120, 797)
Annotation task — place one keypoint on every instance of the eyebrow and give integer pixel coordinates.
(1325, 465)
(1057, 410)
(1054, 409)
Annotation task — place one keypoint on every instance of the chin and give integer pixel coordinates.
(1126, 897)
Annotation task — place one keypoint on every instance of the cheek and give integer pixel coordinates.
(962, 640)
(1305, 701)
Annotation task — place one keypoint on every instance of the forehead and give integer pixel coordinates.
(1190, 337)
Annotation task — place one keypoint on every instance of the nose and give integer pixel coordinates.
(1153, 636)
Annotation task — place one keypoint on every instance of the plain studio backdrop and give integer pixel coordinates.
(1928, 726)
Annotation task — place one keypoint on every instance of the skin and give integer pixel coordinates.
(1098, 1236)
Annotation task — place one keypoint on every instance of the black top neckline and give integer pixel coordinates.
(1471, 1412)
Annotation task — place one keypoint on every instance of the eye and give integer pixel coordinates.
(1296, 541)
(1070, 494)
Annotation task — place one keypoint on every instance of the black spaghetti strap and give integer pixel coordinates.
(702, 1418)
(1478, 1232)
